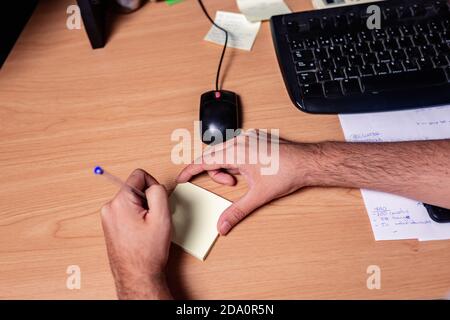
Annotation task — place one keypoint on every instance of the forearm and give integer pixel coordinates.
(143, 288)
(417, 170)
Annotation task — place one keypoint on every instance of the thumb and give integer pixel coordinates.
(237, 211)
(158, 204)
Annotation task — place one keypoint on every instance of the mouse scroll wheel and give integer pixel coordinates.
(217, 94)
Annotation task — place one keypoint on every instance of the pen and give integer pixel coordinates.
(101, 172)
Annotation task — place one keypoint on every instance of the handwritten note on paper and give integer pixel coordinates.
(259, 10)
(393, 217)
(241, 32)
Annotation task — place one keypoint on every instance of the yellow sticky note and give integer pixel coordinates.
(195, 212)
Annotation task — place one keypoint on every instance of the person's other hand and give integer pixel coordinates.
(291, 173)
(138, 239)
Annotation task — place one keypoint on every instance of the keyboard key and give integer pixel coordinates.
(435, 26)
(404, 80)
(312, 90)
(365, 36)
(332, 89)
(405, 42)
(341, 21)
(303, 55)
(446, 24)
(441, 8)
(337, 74)
(356, 60)
(381, 68)
(379, 34)
(384, 56)
(348, 49)
(314, 24)
(370, 58)
(398, 54)
(323, 75)
(393, 32)
(425, 63)
(410, 65)
(341, 62)
(303, 28)
(335, 51)
(326, 63)
(443, 48)
(395, 67)
(390, 14)
(428, 50)
(354, 21)
(350, 37)
(338, 40)
(296, 44)
(413, 53)
(366, 71)
(327, 23)
(324, 41)
(351, 86)
(440, 61)
(309, 44)
(377, 45)
(420, 40)
(351, 72)
(362, 47)
(434, 38)
(391, 44)
(418, 11)
(305, 66)
(292, 26)
(407, 30)
(307, 78)
(421, 28)
(321, 53)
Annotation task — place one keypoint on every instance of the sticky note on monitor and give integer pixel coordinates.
(195, 212)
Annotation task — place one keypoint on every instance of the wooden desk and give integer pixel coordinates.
(65, 108)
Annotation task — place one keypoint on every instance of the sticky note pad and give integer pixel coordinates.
(259, 10)
(241, 32)
(195, 212)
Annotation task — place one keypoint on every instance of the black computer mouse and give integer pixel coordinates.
(219, 111)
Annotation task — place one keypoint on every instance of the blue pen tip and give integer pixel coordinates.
(98, 170)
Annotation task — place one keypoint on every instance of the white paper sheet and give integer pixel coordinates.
(259, 10)
(195, 212)
(241, 32)
(393, 217)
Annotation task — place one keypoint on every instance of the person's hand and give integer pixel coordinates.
(288, 172)
(138, 239)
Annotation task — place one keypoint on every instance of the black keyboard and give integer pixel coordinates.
(332, 62)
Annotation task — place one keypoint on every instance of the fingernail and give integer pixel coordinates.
(225, 227)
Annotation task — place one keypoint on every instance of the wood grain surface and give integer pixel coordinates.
(65, 108)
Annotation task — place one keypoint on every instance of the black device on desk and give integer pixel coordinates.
(333, 63)
(438, 214)
(94, 14)
(14, 15)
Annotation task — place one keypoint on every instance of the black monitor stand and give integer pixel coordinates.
(94, 14)
(14, 15)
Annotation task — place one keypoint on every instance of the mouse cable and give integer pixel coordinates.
(224, 46)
